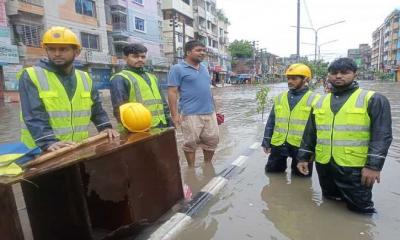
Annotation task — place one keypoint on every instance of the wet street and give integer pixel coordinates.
(255, 205)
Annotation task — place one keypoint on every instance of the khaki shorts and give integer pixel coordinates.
(200, 131)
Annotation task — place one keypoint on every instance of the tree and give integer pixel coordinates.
(241, 49)
(221, 16)
(261, 97)
(319, 69)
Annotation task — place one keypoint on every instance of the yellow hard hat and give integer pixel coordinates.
(135, 117)
(60, 35)
(298, 69)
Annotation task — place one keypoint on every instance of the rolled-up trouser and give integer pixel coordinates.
(345, 182)
(200, 131)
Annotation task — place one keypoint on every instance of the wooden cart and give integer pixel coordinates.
(105, 190)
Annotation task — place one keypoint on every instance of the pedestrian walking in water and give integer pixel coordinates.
(58, 102)
(350, 131)
(191, 81)
(287, 120)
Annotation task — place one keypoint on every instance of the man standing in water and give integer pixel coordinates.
(286, 122)
(350, 131)
(192, 82)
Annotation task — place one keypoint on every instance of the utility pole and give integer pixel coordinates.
(173, 23)
(298, 31)
(254, 56)
(316, 30)
(184, 32)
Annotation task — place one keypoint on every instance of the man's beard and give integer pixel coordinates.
(63, 65)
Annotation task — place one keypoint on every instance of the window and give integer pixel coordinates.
(186, 1)
(119, 50)
(139, 24)
(138, 2)
(119, 22)
(85, 7)
(90, 41)
(29, 35)
(180, 38)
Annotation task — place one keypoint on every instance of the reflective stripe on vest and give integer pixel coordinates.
(69, 119)
(345, 135)
(290, 124)
(149, 96)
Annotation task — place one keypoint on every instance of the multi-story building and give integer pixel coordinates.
(184, 20)
(224, 63)
(180, 13)
(9, 60)
(377, 49)
(386, 45)
(206, 28)
(138, 21)
(362, 56)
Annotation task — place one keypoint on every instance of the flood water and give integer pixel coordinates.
(255, 205)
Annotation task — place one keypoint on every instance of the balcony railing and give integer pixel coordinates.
(33, 2)
(120, 26)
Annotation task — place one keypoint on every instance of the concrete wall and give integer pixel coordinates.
(62, 13)
(151, 37)
(179, 6)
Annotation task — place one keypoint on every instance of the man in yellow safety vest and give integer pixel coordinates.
(134, 84)
(350, 133)
(58, 102)
(287, 120)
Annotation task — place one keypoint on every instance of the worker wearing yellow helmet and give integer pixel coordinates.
(136, 85)
(287, 120)
(58, 102)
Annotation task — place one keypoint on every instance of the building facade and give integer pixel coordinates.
(138, 21)
(362, 56)
(377, 48)
(31, 18)
(180, 14)
(386, 45)
(9, 59)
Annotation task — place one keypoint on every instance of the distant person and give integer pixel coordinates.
(327, 86)
(191, 82)
(287, 120)
(350, 131)
(134, 84)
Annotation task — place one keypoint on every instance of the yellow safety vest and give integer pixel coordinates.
(149, 96)
(7, 165)
(69, 119)
(346, 135)
(290, 125)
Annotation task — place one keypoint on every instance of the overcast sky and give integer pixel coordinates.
(269, 21)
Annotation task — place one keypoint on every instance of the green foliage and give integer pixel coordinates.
(221, 16)
(319, 69)
(384, 76)
(261, 98)
(241, 49)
